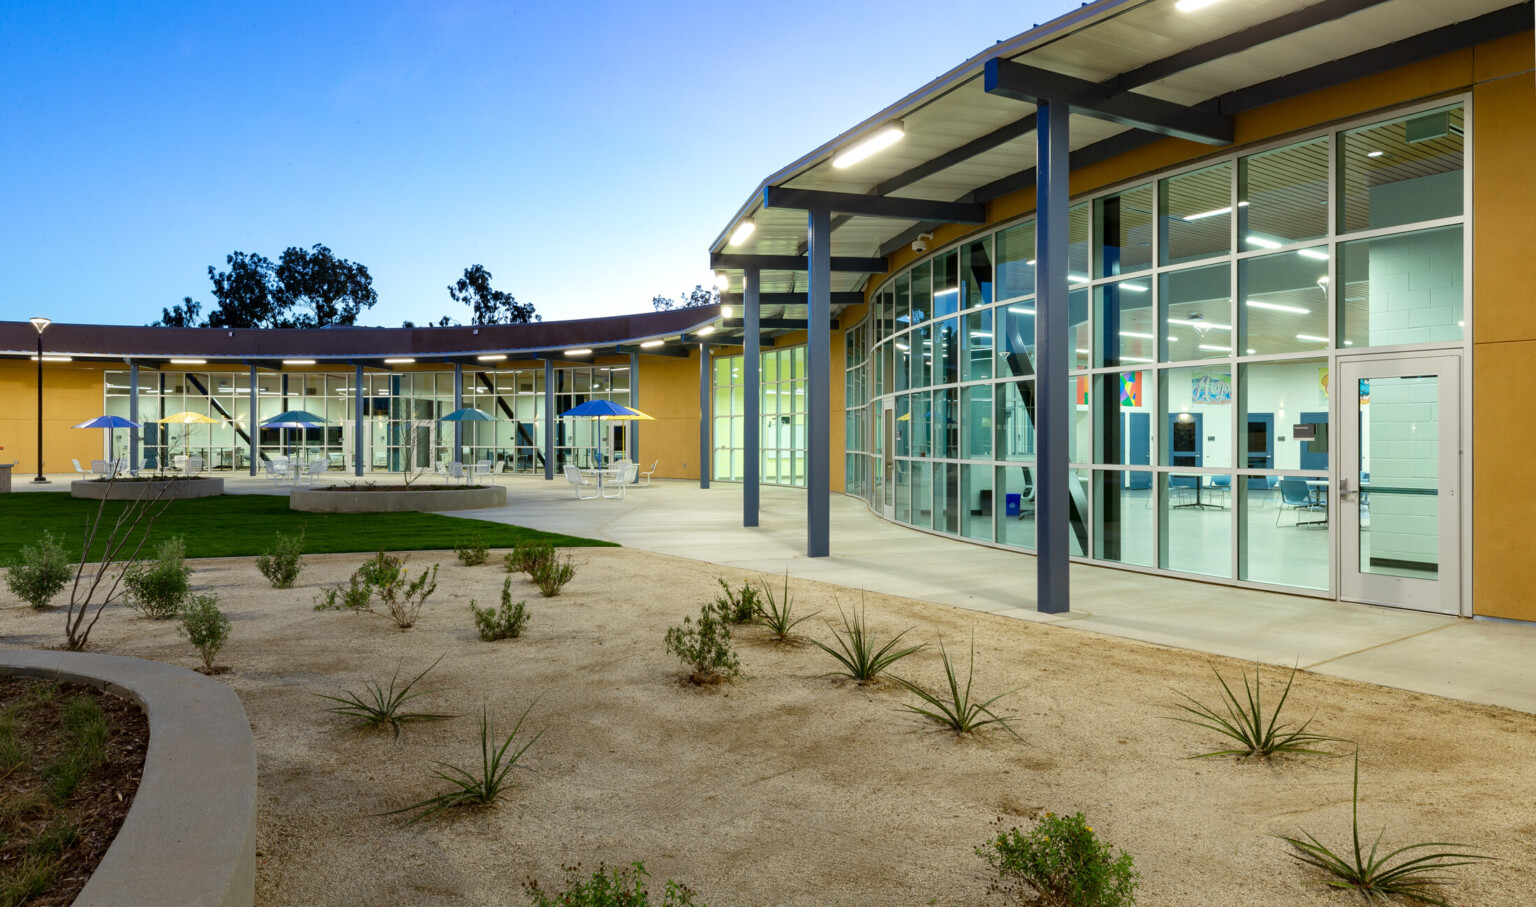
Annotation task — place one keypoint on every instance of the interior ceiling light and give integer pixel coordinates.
(298, 362)
(1135, 334)
(1293, 309)
(652, 343)
(1134, 287)
(706, 330)
(1375, 153)
(881, 139)
(580, 352)
(1215, 349)
(1212, 213)
(1311, 337)
(189, 361)
(742, 231)
(1317, 254)
(1263, 243)
(1189, 6)
(491, 357)
(1202, 323)
(399, 361)
(54, 359)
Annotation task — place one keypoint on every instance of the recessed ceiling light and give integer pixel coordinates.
(298, 362)
(399, 361)
(879, 141)
(1374, 153)
(189, 361)
(491, 357)
(706, 330)
(1189, 6)
(652, 343)
(55, 359)
(580, 352)
(742, 231)
(1313, 338)
(1263, 243)
(1297, 310)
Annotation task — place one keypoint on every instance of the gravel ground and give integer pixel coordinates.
(785, 787)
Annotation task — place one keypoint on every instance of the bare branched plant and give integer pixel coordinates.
(120, 552)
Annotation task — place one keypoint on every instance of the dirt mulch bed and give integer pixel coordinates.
(96, 808)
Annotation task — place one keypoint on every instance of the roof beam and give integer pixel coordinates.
(675, 352)
(873, 205)
(772, 324)
(719, 260)
(1021, 82)
(848, 297)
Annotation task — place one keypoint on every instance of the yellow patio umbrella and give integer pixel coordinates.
(188, 418)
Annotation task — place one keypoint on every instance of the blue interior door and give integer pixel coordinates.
(1186, 440)
(1137, 431)
(1261, 446)
(1314, 453)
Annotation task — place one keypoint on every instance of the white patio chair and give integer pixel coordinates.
(582, 484)
(191, 466)
(645, 477)
(119, 466)
(79, 470)
(315, 469)
(278, 473)
(456, 471)
(101, 468)
(616, 481)
(482, 468)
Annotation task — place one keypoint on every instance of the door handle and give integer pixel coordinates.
(1344, 491)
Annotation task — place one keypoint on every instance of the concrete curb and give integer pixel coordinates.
(190, 837)
(200, 487)
(315, 500)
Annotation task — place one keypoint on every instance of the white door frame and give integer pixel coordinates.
(887, 429)
(1444, 594)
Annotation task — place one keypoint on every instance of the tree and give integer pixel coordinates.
(691, 299)
(305, 288)
(487, 305)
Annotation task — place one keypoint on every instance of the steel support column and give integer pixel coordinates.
(357, 420)
(752, 396)
(549, 419)
(255, 417)
(133, 416)
(818, 385)
(634, 402)
(1052, 549)
(458, 404)
(705, 416)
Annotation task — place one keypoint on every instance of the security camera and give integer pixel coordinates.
(921, 243)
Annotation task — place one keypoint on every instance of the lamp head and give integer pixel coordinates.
(40, 323)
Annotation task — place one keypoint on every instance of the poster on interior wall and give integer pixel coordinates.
(1130, 388)
(1322, 381)
(1211, 388)
(1082, 390)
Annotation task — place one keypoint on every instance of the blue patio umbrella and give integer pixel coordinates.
(605, 409)
(467, 414)
(109, 423)
(294, 418)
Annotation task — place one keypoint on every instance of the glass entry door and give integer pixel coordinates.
(1398, 484)
(885, 482)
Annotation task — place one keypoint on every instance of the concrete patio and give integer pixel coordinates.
(1483, 661)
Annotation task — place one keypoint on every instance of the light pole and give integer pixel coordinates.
(40, 323)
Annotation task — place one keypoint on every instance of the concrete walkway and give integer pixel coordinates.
(1473, 660)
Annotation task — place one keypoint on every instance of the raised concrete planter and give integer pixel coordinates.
(345, 500)
(189, 839)
(198, 487)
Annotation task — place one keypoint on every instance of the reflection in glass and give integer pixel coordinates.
(1123, 243)
(1283, 195)
(946, 423)
(1016, 343)
(1122, 519)
(976, 272)
(1016, 517)
(1197, 313)
(1399, 476)
(1080, 420)
(1197, 523)
(1124, 318)
(922, 493)
(1197, 214)
(1016, 421)
(920, 348)
(1277, 548)
(1284, 302)
(946, 285)
(903, 491)
(922, 440)
(1077, 327)
(903, 301)
(1405, 288)
(1077, 243)
(946, 351)
(922, 292)
(977, 502)
(976, 346)
(1016, 261)
(977, 423)
(1124, 434)
(1405, 170)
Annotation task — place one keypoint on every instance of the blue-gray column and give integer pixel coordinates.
(458, 404)
(752, 395)
(549, 419)
(1052, 549)
(254, 427)
(818, 386)
(357, 421)
(133, 416)
(706, 455)
(634, 401)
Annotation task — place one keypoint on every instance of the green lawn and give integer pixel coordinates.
(243, 525)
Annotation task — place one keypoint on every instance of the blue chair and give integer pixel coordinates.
(1295, 494)
(1222, 484)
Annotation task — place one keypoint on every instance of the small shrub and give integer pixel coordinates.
(1415, 879)
(742, 607)
(473, 552)
(857, 651)
(356, 595)
(1060, 863)
(525, 557)
(1245, 722)
(552, 575)
(205, 626)
(959, 713)
(609, 888)
(505, 622)
(405, 598)
(705, 647)
(284, 561)
(381, 570)
(159, 589)
(39, 572)
(384, 706)
(482, 787)
(777, 613)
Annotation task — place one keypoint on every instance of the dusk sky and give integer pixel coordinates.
(585, 154)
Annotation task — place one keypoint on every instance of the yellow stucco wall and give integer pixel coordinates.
(669, 393)
(72, 393)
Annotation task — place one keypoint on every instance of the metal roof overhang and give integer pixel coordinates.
(965, 145)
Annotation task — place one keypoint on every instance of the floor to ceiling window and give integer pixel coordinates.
(1208, 307)
(782, 433)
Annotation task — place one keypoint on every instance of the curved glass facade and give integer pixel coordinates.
(1208, 306)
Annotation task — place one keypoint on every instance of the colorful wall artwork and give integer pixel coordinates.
(1130, 388)
(1210, 388)
(1322, 381)
(1082, 390)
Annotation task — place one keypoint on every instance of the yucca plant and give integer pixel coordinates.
(381, 706)
(1245, 722)
(777, 615)
(482, 787)
(960, 712)
(1376, 877)
(860, 654)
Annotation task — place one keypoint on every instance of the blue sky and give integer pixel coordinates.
(585, 154)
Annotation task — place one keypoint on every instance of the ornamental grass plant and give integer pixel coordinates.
(482, 785)
(959, 711)
(777, 614)
(859, 651)
(1244, 721)
(380, 706)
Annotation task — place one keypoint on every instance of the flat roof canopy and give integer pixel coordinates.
(965, 145)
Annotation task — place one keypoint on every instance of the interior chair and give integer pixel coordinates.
(586, 489)
(192, 466)
(1295, 494)
(645, 477)
(1222, 484)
